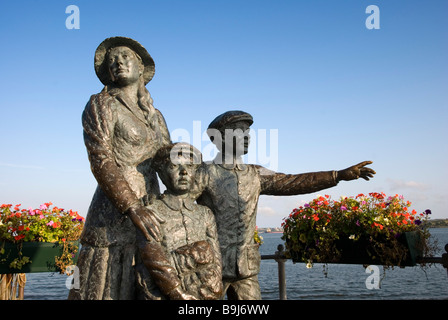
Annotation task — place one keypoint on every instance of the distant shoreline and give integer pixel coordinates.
(437, 223)
(270, 230)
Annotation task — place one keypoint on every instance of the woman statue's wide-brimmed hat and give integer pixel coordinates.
(101, 65)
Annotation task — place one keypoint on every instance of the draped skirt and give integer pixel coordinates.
(108, 253)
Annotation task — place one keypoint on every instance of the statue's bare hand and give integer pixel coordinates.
(357, 171)
(147, 221)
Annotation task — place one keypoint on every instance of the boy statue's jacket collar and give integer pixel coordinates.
(176, 203)
(237, 165)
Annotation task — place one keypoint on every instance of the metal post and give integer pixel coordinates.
(445, 258)
(281, 272)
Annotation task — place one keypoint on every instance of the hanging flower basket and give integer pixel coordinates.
(38, 240)
(369, 230)
(404, 252)
(408, 249)
(41, 256)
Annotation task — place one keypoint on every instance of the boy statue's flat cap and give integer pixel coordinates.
(221, 121)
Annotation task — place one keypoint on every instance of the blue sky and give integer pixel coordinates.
(337, 92)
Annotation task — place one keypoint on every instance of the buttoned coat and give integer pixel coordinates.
(121, 138)
(190, 240)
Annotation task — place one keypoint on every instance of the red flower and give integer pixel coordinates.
(19, 237)
(378, 225)
(377, 195)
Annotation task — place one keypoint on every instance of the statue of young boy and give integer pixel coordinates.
(231, 189)
(189, 264)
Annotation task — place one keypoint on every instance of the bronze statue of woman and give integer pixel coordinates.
(122, 133)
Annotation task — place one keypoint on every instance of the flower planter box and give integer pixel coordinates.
(41, 254)
(357, 230)
(356, 252)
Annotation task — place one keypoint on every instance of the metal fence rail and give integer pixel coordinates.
(281, 258)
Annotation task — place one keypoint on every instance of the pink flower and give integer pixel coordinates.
(343, 208)
(43, 207)
(31, 211)
(50, 223)
(41, 216)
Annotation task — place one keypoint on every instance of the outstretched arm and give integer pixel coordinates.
(293, 184)
(273, 183)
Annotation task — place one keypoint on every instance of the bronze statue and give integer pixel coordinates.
(189, 235)
(138, 242)
(231, 189)
(122, 133)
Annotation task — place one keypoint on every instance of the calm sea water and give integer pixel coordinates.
(341, 282)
